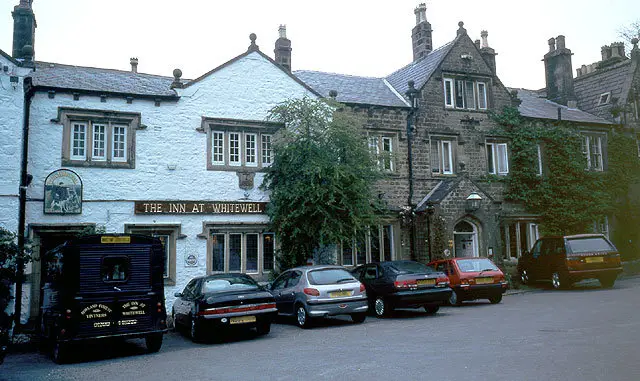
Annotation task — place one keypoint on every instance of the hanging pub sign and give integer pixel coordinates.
(199, 207)
(63, 193)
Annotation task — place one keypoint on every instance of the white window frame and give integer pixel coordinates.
(114, 148)
(227, 233)
(605, 98)
(251, 149)
(266, 142)
(482, 96)
(234, 150)
(470, 85)
(96, 139)
(217, 147)
(588, 150)
(539, 150)
(387, 160)
(449, 93)
(367, 247)
(499, 158)
(444, 148)
(73, 141)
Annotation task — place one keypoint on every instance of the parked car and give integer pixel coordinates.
(403, 284)
(319, 291)
(472, 278)
(212, 304)
(102, 286)
(565, 260)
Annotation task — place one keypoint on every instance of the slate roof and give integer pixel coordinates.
(438, 193)
(615, 79)
(535, 105)
(97, 80)
(419, 71)
(7, 56)
(352, 89)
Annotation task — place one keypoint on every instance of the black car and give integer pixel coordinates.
(215, 304)
(403, 284)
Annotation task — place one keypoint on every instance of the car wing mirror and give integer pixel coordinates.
(178, 294)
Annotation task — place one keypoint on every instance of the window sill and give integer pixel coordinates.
(98, 164)
(229, 168)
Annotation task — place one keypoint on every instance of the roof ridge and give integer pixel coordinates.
(423, 58)
(341, 74)
(605, 69)
(101, 68)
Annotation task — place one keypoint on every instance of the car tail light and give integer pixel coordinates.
(362, 288)
(68, 314)
(311, 291)
(442, 281)
(407, 283)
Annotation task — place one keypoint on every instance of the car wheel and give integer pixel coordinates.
(153, 342)
(495, 299)
(524, 277)
(195, 330)
(359, 317)
(381, 307)
(454, 300)
(303, 320)
(558, 281)
(607, 282)
(431, 308)
(60, 352)
(263, 328)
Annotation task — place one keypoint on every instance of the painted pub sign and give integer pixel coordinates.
(63, 193)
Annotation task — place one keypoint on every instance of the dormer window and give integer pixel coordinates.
(605, 98)
(465, 94)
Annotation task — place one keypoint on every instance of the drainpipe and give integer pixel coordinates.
(25, 180)
(412, 94)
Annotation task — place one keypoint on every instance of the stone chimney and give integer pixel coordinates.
(24, 28)
(488, 53)
(134, 64)
(421, 33)
(559, 72)
(283, 49)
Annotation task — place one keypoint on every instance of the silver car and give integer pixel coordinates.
(319, 291)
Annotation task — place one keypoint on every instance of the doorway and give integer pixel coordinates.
(465, 239)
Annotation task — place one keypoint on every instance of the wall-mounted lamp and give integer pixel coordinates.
(473, 201)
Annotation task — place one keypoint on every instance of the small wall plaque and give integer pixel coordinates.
(63, 193)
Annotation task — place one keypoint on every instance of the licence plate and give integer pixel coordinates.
(422, 282)
(484, 280)
(594, 259)
(339, 294)
(242, 319)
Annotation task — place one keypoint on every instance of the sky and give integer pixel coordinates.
(357, 37)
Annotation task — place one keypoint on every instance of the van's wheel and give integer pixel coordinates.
(454, 300)
(558, 281)
(153, 342)
(263, 328)
(382, 307)
(495, 299)
(303, 320)
(524, 277)
(607, 282)
(431, 308)
(60, 352)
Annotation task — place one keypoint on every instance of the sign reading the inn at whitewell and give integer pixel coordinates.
(63, 193)
(198, 207)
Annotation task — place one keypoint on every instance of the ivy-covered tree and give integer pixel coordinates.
(9, 253)
(321, 180)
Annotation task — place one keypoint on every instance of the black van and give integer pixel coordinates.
(103, 286)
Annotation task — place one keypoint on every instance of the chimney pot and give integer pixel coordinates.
(484, 34)
(605, 51)
(134, 64)
(552, 44)
(282, 50)
(560, 42)
(421, 13)
(477, 42)
(282, 31)
(559, 72)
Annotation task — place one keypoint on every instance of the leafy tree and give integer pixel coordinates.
(9, 253)
(321, 180)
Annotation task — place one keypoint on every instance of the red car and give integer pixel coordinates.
(472, 278)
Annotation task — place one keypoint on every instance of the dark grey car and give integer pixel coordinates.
(319, 291)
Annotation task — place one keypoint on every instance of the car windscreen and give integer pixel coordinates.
(409, 267)
(476, 265)
(588, 245)
(329, 276)
(228, 283)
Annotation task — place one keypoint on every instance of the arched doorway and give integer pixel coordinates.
(465, 235)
